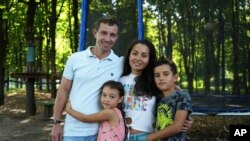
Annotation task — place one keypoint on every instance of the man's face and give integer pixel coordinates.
(106, 36)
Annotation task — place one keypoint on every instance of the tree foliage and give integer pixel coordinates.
(209, 40)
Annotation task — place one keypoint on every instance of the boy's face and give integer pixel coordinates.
(110, 97)
(164, 78)
(106, 36)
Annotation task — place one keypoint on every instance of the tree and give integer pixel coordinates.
(30, 66)
(235, 39)
(75, 11)
(3, 44)
(53, 19)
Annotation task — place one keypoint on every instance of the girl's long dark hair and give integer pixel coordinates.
(117, 85)
(145, 80)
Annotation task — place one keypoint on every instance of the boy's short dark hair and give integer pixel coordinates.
(166, 61)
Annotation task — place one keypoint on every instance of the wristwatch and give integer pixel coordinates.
(55, 121)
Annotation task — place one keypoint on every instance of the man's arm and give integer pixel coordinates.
(61, 99)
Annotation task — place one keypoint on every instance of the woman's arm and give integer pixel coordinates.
(103, 115)
(172, 129)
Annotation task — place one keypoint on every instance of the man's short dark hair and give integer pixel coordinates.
(106, 20)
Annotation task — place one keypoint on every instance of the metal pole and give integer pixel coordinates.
(83, 27)
(140, 20)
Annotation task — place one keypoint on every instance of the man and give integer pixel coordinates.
(84, 74)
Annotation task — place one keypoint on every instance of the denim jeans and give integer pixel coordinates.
(138, 137)
(80, 138)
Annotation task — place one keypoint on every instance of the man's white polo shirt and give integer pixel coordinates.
(88, 74)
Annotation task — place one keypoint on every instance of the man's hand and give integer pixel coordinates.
(56, 133)
(187, 124)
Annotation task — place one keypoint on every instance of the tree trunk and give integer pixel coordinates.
(235, 40)
(31, 102)
(169, 47)
(186, 48)
(3, 46)
(75, 11)
(222, 45)
(207, 48)
(191, 52)
(53, 50)
(47, 51)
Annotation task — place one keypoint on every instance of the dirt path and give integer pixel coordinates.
(16, 126)
(30, 129)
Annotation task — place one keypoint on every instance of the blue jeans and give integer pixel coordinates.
(80, 138)
(138, 137)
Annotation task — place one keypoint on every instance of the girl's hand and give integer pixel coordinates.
(68, 106)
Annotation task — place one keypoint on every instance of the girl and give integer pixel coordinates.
(174, 107)
(112, 127)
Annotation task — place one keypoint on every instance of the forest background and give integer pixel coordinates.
(209, 40)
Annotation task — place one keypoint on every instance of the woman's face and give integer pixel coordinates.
(138, 58)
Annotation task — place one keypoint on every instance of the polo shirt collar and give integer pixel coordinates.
(110, 57)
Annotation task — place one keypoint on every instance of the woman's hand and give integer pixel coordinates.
(187, 124)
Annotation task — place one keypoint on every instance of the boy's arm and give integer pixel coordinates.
(172, 129)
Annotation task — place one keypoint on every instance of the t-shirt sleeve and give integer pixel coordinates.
(184, 102)
(68, 69)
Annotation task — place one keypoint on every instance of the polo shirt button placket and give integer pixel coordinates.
(98, 68)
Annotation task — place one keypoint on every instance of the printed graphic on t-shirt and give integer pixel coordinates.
(133, 102)
(164, 116)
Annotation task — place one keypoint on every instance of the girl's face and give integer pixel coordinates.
(110, 97)
(164, 78)
(138, 58)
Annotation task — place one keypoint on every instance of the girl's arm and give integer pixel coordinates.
(103, 115)
(172, 129)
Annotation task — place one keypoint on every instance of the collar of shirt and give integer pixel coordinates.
(110, 57)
